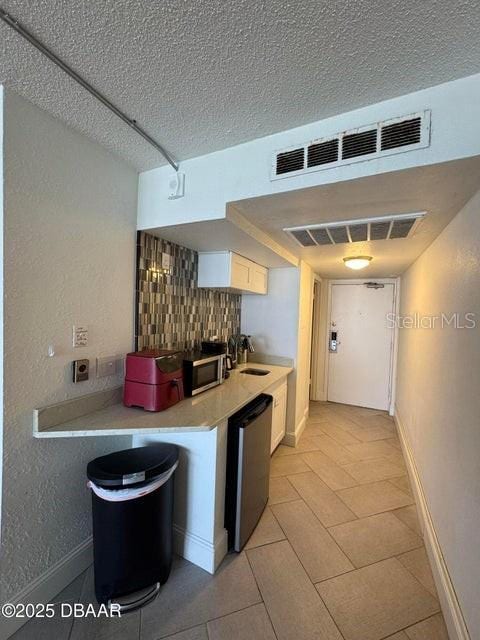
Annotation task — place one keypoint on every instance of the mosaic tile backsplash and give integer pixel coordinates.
(172, 312)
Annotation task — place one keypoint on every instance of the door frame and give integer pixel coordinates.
(394, 347)
(316, 357)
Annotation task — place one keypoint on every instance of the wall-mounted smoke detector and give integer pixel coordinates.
(365, 143)
(391, 227)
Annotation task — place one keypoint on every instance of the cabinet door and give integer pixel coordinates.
(228, 270)
(279, 417)
(214, 269)
(258, 278)
(240, 272)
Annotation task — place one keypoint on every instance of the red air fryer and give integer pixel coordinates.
(153, 379)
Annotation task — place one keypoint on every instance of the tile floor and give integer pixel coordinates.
(337, 555)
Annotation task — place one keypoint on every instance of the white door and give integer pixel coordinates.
(359, 371)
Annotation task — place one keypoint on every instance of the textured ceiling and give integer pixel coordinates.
(202, 75)
(441, 190)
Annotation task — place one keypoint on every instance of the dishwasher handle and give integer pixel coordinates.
(256, 411)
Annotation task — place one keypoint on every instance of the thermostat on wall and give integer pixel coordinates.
(80, 370)
(176, 186)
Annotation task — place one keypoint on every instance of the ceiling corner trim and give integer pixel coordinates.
(240, 221)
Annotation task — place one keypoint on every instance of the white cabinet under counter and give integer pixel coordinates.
(279, 413)
(228, 270)
(199, 534)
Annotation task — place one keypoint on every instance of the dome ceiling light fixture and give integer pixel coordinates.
(357, 262)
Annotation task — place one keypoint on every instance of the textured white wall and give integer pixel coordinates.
(304, 343)
(1, 298)
(70, 210)
(438, 399)
(280, 325)
(319, 344)
(272, 321)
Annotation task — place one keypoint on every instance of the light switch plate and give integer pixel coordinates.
(80, 336)
(166, 261)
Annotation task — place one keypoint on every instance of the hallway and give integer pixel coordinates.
(337, 554)
(343, 502)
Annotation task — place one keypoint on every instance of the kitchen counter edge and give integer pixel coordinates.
(225, 400)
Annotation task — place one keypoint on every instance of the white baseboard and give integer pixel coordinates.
(457, 629)
(201, 552)
(291, 439)
(50, 583)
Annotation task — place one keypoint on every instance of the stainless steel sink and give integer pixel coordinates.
(255, 372)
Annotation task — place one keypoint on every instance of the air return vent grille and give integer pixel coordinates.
(358, 232)
(359, 144)
(372, 141)
(320, 236)
(304, 238)
(401, 228)
(322, 153)
(339, 235)
(382, 228)
(401, 134)
(379, 230)
(290, 161)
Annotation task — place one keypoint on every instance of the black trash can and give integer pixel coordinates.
(132, 504)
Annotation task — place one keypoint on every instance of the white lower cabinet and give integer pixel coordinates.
(279, 414)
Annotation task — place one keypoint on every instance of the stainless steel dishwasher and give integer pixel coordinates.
(248, 469)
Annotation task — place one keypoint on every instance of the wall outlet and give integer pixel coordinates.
(109, 366)
(80, 336)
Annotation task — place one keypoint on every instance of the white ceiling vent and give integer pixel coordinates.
(372, 141)
(381, 228)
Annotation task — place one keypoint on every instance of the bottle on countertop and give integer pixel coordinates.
(232, 353)
(245, 347)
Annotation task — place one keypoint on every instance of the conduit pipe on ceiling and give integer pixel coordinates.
(20, 29)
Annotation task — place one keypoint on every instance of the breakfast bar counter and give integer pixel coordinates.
(103, 413)
(198, 426)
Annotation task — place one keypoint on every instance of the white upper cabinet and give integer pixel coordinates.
(228, 270)
(240, 272)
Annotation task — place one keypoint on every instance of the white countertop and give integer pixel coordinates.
(200, 413)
